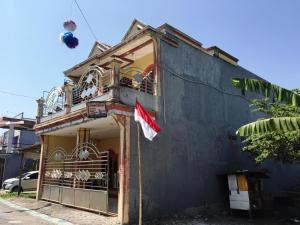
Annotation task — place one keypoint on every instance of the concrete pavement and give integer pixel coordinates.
(59, 214)
(10, 215)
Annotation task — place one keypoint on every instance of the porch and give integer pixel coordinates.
(81, 166)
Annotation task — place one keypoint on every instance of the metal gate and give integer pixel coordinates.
(79, 179)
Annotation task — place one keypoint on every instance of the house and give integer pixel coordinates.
(22, 137)
(89, 136)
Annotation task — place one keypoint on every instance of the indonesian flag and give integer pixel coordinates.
(149, 126)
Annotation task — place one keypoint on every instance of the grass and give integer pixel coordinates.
(7, 195)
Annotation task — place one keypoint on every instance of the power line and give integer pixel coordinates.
(89, 26)
(15, 94)
(198, 82)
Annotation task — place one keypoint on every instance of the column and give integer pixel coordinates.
(40, 109)
(44, 149)
(68, 89)
(124, 166)
(115, 80)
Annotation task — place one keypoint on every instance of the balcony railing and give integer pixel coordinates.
(96, 82)
(93, 84)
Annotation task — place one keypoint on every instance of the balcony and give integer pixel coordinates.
(97, 84)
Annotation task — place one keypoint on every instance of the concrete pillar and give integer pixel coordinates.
(83, 135)
(115, 80)
(44, 140)
(11, 133)
(124, 166)
(68, 89)
(156, 71)
(40, 109)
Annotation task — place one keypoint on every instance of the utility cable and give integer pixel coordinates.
(15, 94)
(202, 83)
(89, 26)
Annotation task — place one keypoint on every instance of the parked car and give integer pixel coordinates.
(28, 182)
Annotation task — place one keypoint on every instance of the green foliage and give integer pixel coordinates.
(275, 109)
(278, 136)
(279, 145)
(283, 118)
(264, 126)
(284, 147)
(8, 195)
(268, 90)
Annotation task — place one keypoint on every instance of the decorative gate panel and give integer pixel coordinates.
(79, 179)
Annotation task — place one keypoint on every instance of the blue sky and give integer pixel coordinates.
(264, 35)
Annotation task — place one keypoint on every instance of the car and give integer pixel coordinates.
(28, 182)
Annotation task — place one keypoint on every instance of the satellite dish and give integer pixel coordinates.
(137, 80)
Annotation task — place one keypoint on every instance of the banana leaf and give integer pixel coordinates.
(267, 89)
(281, 124)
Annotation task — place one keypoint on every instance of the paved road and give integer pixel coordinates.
(10, 215)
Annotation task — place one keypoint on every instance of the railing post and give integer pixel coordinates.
(68, 88)
(40, 109)
(114, 91)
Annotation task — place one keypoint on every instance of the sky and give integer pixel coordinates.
(263, 34)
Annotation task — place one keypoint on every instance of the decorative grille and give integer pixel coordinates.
(94, 83)
(54, 101)
(85, 167)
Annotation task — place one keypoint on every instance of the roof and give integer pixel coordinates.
(216, 50)
(137, 29)
(98, 47)
(31, 147)
(28, 123)
(178, 33)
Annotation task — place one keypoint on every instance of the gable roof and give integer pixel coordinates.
(98, 48)
(135, 27)
(174, 31)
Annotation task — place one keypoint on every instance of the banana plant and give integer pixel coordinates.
(271, 91)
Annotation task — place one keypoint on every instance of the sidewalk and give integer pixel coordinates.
(80, 217)
(71, 215)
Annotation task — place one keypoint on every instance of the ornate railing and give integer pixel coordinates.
(53, 101)
(96, 82)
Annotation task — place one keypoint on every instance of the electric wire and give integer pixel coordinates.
(203, 84)
(15, 94)
(89, 26)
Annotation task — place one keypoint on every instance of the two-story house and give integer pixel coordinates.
(89, 137)
(15, 140)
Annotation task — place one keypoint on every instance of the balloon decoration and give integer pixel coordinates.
(68, 38)
(70, 25)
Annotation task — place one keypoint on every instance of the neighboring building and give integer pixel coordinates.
(91, 163)
(23, 137)
(31, 159)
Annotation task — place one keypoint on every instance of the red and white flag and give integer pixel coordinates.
(149, 126)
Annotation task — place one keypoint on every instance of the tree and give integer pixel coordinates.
(277, 94)
(276, 144)
(278, 136)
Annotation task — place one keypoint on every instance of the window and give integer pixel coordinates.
(33, 176)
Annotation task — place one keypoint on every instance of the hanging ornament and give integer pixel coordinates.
(69, 40)
(70, 25)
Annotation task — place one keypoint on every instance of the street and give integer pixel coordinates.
(9, 215)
